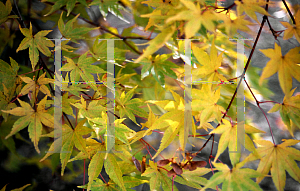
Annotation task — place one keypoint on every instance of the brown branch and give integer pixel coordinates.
(288, 10)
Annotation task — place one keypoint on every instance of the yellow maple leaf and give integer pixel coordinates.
(277, 159)
(250, 7)
(285, 65)
(292, 29)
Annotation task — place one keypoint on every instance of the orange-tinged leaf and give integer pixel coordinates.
(36, 43)
(277, 159)
(36, 86)
(285, 65)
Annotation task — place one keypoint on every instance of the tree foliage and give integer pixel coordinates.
(110, 92)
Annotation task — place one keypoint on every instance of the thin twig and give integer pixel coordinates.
(290, 13)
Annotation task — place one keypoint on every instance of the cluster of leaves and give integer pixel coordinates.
(83, 131)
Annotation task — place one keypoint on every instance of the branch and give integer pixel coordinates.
(290, 13)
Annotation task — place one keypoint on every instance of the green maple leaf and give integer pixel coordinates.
(193, 178)
(129, 182)
(35, 43)
(9, 84)
(289, 110)
(5, 11)
(68, 31)
(66, 104)
(82, 69)
(158, 178)
(277, 159)
(236, 178)
(70, 4)
(229, 139)
(129, 107)
(158, 67)
(286, 66)
(31, 118)
(71, 138)
(94, 108)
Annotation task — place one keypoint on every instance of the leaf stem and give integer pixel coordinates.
(257, 102)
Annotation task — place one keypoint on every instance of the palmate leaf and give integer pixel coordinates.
(35, 43)
(236, 178)
(289, 110)
(9, 85)
(129, 107)
(70, 4)
(210, 64)
(193, 178)
(66, 104)
(250, 7)
(68, 31)
(36, 86)
(157, 42)
(158, 67)
(73, 138)
(5, 11)
(277, 159)
(229, 139)
(31, 118)
(292, 30)
(129, 182)
(286, 66)
(82, 69)
(94, 108)
(174, 121)
(158, 178)
(196, 17)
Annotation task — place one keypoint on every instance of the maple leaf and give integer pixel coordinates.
(35, 43)
(196, 16)
(94, 108)
(71, 138)
(70, 4)
(36, 86)
(205, 101)
(250, 7)
(289, 110)
(277, 159)
(129, 182)
(193, 178)
(292, 29)
(31, 118)
(159, 67)
(129, 106)
(9, 84)
(285, 65)
(121, 132)
(229, 139)
(5, 11)
(156, 43)
(158, 177)
(233, 25)
(176, 112)
(236, 178)
(210, 64)
(68, 31)
(82, 69)
(66, 104)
